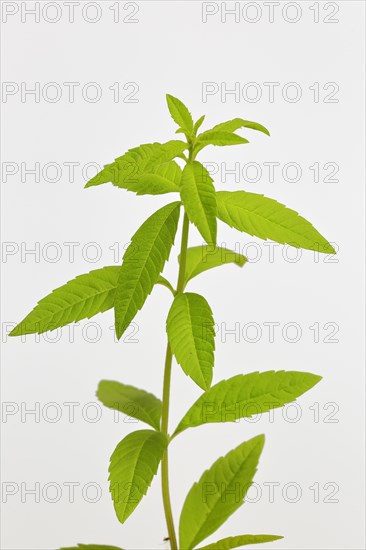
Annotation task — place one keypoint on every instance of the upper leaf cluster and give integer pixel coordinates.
(152, 169)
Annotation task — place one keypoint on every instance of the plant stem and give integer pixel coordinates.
(164, 462)
(166, 396)
(183, 254)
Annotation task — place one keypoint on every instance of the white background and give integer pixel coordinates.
(171, 50)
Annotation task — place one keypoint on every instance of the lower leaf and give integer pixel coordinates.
(219, 493)
(92, 547)
(133, 465)
(239, 540)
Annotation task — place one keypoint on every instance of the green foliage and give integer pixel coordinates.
(236, 123)
(133, 465)
(131, 401)
(92, 547)
(219, 493)
(151, 169)
(140, 165)
(222, 134)
(216, 137)
(143, 262)
(202, 258)
(165, 178)
(164, 282)
(199, 199)
(180, 114)
(198, 124)
(246, 394)
(239, 540)
(190, 328)
(80, 298)
(268, 219)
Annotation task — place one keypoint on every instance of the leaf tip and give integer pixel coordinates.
(259, 441)
(326, 247)
(316, 379)
(119, 330)
(242, 261)
(16, 331)
(22, 328)
(168, 98)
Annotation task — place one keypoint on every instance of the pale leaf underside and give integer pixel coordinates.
(131, 401)
(205, 257)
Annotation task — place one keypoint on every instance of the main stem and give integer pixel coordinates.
(166, 396)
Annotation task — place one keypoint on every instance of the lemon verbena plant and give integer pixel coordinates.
(153, 169)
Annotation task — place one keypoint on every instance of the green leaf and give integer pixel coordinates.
(198, 124)
(165, 178)
(133, 465)
(268, 219)
(92, 547)
(239, 540)
(129, 171)
(202, 258)
(246, 394)
(199, 199)
(236, 123)
(143, 262)
(219, 493)
(131, 401)
(190, 328)
(164, 282)
(180, 113)
(80, 298)
(213, 137)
